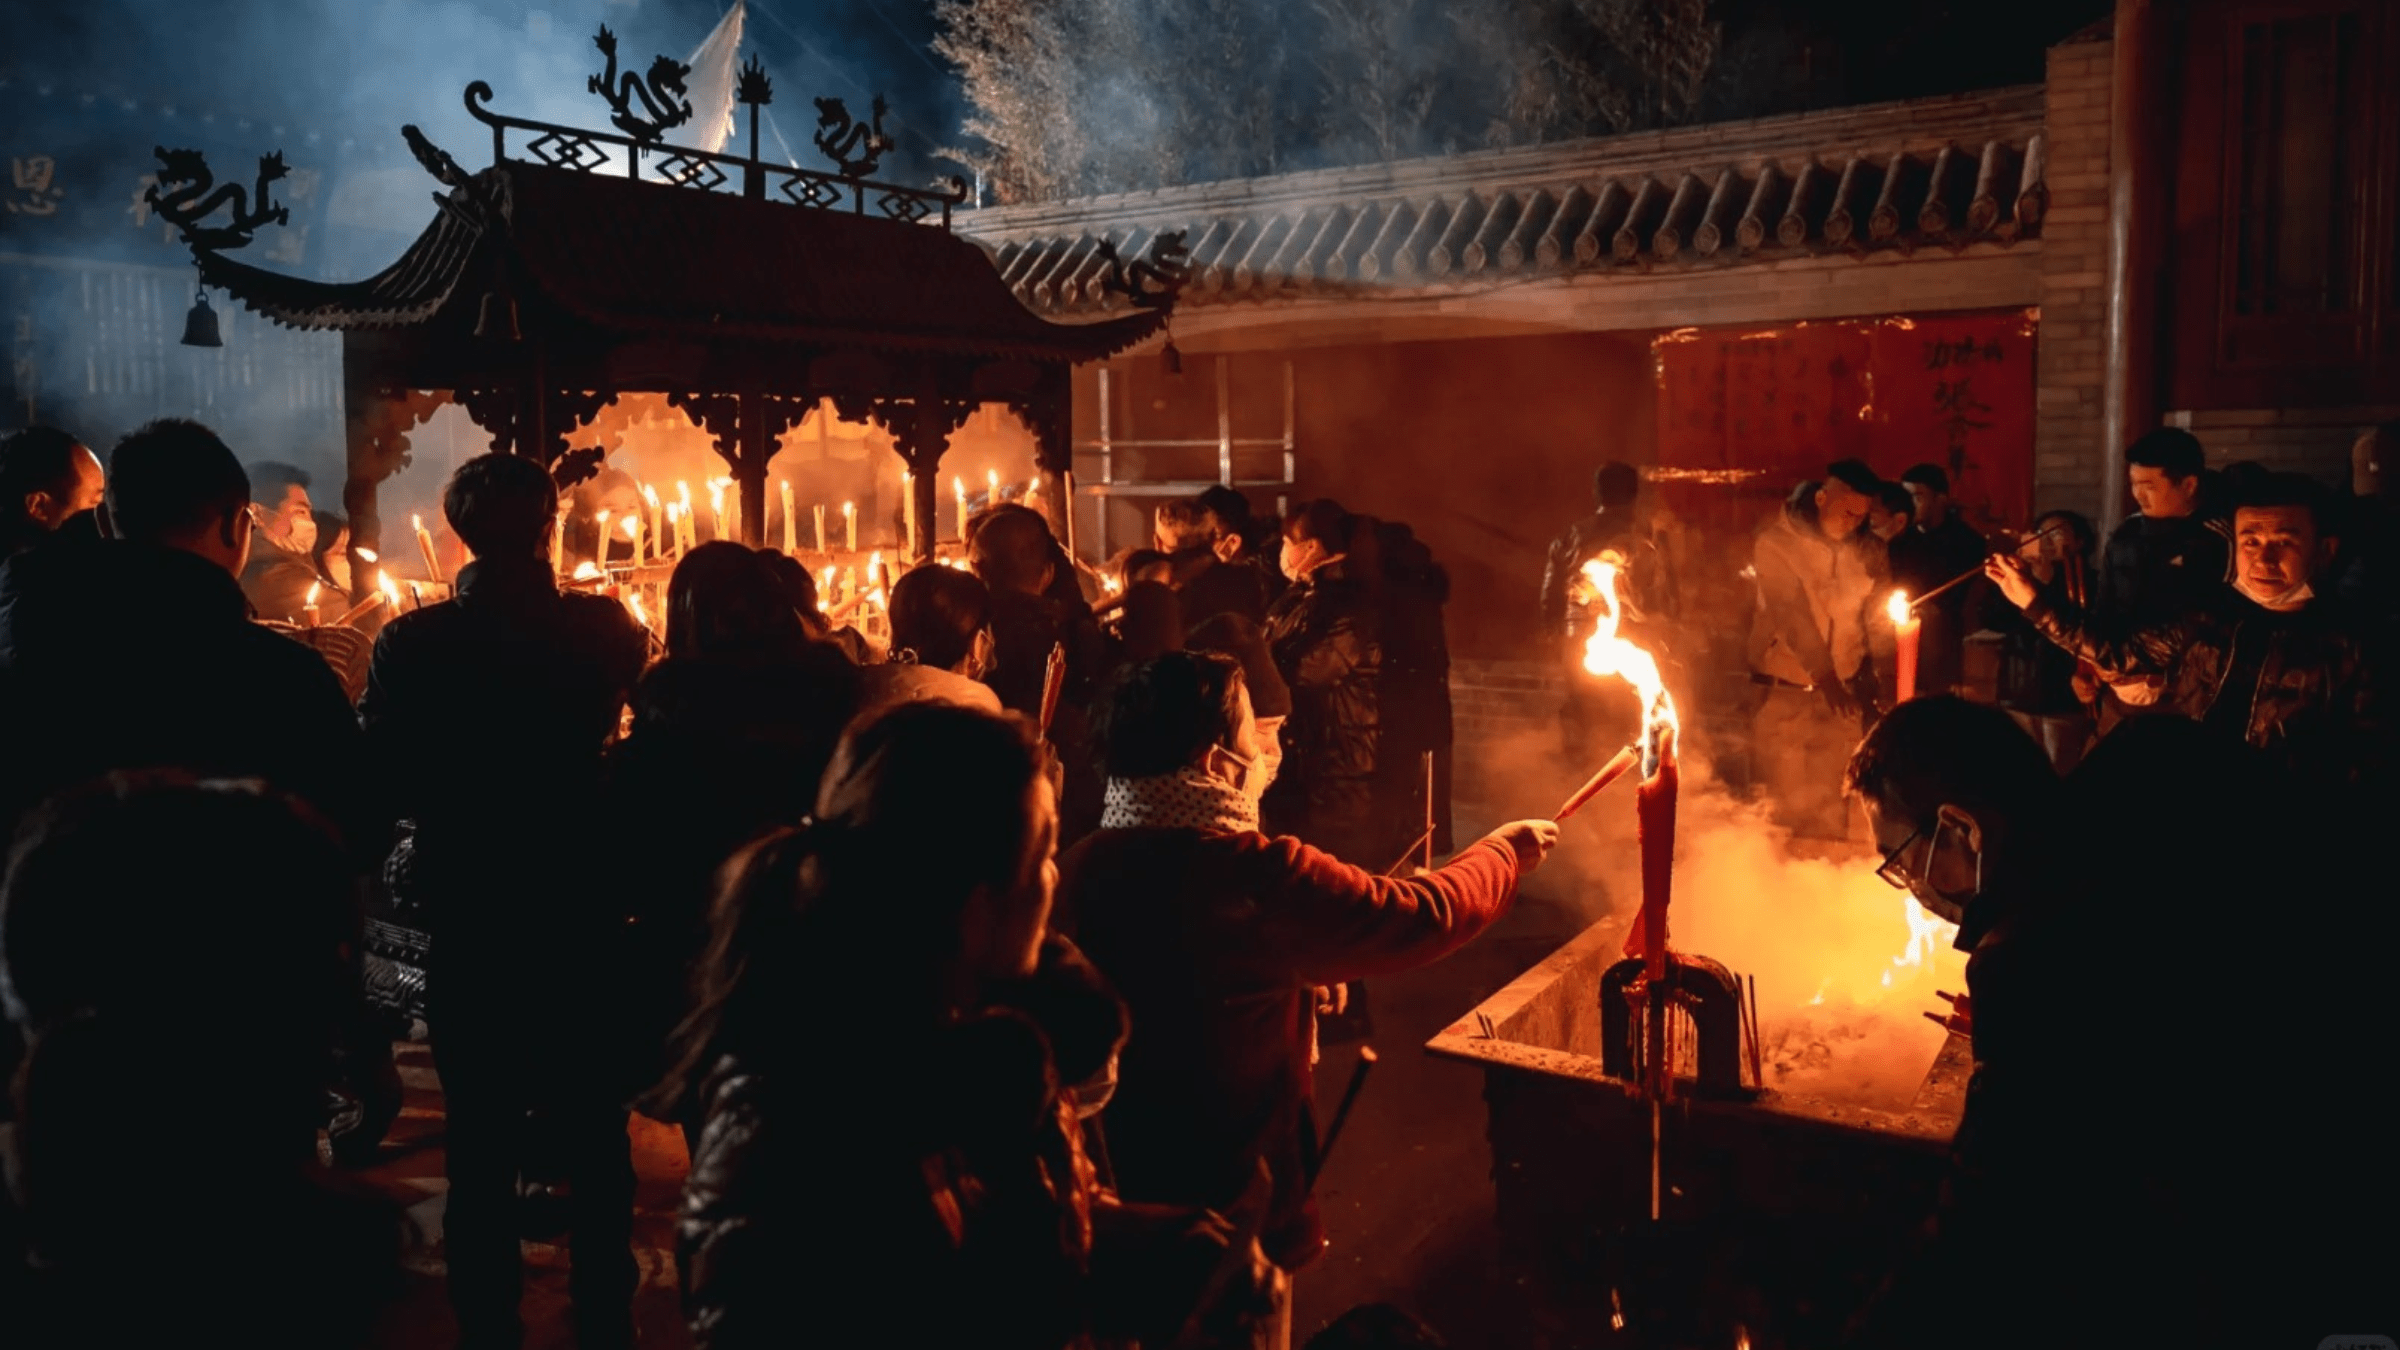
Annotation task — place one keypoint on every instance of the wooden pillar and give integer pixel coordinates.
(1051, 414)
(759, 428)
(2137, 170)
(928, 441)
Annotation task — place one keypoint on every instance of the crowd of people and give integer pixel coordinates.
(2253, 602)
(1012, 1021)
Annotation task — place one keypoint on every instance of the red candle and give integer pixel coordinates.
(1906, 629)
(1654, 831)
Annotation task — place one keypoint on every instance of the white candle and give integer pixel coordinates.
(820, 527)
(908, 513)
(791, 528)
(600, 550)
(433, 566)
(657, 537)
(308, 610)
(716, 507)
(691, 526)
(850, 526)
(633, 531)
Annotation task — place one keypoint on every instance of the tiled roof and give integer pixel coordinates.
(1947, 173)
(659, 261)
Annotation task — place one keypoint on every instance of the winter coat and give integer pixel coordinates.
(1579, 544)
(721, 750)
(116, 655)
(1209, 588)
(2037, 676)
(1213, 940)
(1327, 640)
(937, 1171)
(1813, 599)
(2153, 570)
(2298, 685)
(486, 718)
(277, 580)
(1024, 629)
(1923, 559)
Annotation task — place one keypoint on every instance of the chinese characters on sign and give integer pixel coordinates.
(1783, 403)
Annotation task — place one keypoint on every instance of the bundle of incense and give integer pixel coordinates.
(1054, 680)
(1610, 772)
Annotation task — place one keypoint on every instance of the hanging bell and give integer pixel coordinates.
(200, 326)
(496, 321)
(1173, 357)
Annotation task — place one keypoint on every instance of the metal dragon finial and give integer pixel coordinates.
(661, 93)
(855, 147)
(1153, 280)
(753, 86)
(182, 198)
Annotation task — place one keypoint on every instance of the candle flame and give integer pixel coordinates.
(958, 485)
(849, 507)
(585, 571)
(649, 494)
(684, 491)
(674, 511)
(633, 605)
(416, 521)
(1897, 607)
(633, 527)
(390, 588)
(315, 589)
(1606, 654)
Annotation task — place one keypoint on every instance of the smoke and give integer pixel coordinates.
(1843, 974)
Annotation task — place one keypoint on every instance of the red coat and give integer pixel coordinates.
(1213, 941)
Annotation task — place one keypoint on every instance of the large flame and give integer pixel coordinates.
(1606, 654)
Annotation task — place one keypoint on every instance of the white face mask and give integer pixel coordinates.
(1252, 776)
(2284, 600)
(304, 534)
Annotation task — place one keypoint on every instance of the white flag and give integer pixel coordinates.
(715, 64)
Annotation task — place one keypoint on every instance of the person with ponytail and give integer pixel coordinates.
(878, 1041)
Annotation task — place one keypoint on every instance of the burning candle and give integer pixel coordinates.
(991, 487)
(633, 606)
(308, 608)
(791, 528)
(390, 588)
(558, 543)
(820, 514)
(600, 550)
(433, 565)
(850, 526)
(633, 531)
(690, 529)
(825, 589)
(1907, 629)
(657, 536)
(716, 506)
(908, 513)
(958, 486)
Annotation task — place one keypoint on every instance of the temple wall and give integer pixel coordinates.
(2067, 452)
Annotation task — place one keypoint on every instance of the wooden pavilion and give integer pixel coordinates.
(583, 264)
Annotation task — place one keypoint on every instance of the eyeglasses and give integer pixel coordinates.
(1890, 870)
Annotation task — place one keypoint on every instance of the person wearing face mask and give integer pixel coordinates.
(282, 563)
(941, 644)
(1215, 934)
(2083, 1206)
(1327, 642)
(1808, 647)
(2265, 662)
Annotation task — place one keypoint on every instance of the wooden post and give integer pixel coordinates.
(750, 468)
(2136, 245)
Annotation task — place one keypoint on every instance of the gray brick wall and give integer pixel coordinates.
(2074, 258)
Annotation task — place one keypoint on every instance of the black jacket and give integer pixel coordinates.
(1328, 643)
(2299, 686)
(721, 750)
(1024, 629)
(486, 716)
(2153, 570)
(1647, 583)
(2037, 676)
(116, 655)
(948, 1153)
(1923, 559)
